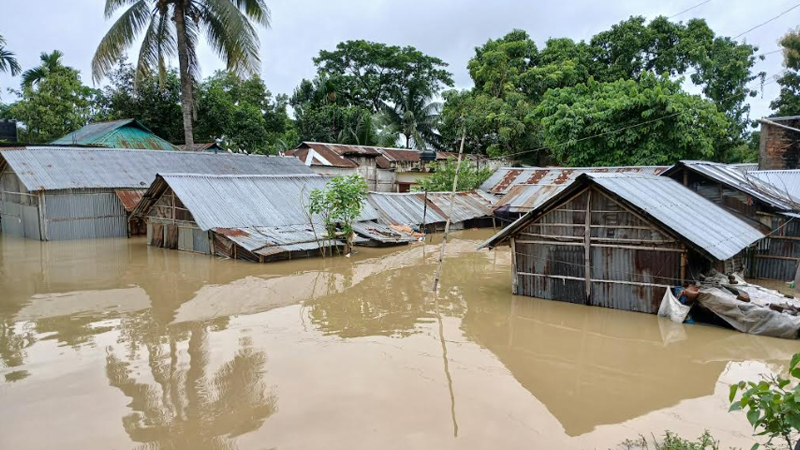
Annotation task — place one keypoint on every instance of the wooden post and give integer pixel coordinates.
(587, 239)
(42, 208)
(514, 286)
(685, 177)
(424, 212)
(450, 212)
(684, 262)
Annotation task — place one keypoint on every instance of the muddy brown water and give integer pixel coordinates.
(110, 344)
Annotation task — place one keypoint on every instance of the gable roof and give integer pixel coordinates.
(745, 182)
(506, 178)
(710, 229)
(55, 168)
(123, 133)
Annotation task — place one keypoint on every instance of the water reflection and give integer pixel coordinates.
(594, 366)
(173, 346)
(188, 407)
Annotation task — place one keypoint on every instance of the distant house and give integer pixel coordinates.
(257, 218)
(124, 133)
(767, 200)
(620, 240)
(57, 193)
(212, 147)
(385, 169)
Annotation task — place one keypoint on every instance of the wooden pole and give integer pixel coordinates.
(587, 230)
(514, 282)
(424, 212)
(450, 212)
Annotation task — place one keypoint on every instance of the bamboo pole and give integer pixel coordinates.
(450, 212)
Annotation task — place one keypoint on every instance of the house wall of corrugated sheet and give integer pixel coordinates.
(777, 257)
(19, 210)
(84, 214)
(631, 279)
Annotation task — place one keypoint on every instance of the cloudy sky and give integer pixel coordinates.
(448, 29)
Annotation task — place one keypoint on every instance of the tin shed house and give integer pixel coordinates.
(619, 241)
(251, 217)
(56, 193)
(124, 133)
(752, 197)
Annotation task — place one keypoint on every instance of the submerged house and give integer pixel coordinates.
(124, 133)
(621, 240)
(524, 189)
(766, 200)
(471, 209)
(56, 193)
(385, 169)
(250, 217)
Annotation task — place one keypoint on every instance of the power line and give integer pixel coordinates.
(689, 9)
(768, 21)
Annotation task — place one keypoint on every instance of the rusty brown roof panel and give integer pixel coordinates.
(505, 178)
(130, 197)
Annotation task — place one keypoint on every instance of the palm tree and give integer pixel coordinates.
(415, 117)
(172, 27)
(51, 62)
(8, 62)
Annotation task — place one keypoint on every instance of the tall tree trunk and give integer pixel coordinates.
(187, 100)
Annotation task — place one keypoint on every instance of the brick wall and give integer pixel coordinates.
(779, 147)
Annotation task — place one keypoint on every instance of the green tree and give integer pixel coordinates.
(370, 74)
(56, 104)
(416, 118)
(579, 123)
(8, 61)
(788, 101)
(322, 115)
(470, 177)
(50, 64)
(154, 102)
(773, 406)
(339, 205)
(173, 27)
(242, 113)
(513, 76)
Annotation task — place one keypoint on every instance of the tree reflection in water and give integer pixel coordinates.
(190, 408)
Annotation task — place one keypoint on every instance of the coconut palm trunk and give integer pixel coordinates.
(187, 99)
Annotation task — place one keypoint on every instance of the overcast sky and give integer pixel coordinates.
(448, 29)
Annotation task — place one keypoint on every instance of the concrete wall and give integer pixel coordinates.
(779, 147)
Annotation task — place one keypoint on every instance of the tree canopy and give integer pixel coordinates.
(513, 77)
(788, 102)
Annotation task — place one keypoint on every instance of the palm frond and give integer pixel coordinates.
(33, 76)
(120, 36)
(8, 62)
(113, 5)
(256, 10)
(158, 46)
(231, 35)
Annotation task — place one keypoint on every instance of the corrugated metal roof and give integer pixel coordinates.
(787, 181)
(124, 133)
(130, 197)
(700, 222)
(408, 208)
(224, 201)
(505, 178)
(54, 168)
(745, 182)
(203, 147)
(745, 167)
(269, 241)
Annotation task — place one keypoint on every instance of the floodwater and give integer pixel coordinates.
(110, 344)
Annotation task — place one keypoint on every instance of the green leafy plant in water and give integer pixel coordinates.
(672, 441)
(773, 406)
(469, 177)
(339, 205)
